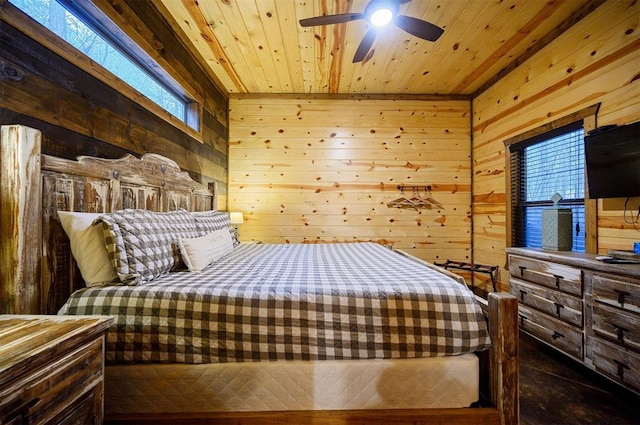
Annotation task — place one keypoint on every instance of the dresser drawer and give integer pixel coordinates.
(83, 411)
(552, 331)
(551, 275)
(616, 362)
(45, 392)
(617, 326)
(616, 291)
(554, 303)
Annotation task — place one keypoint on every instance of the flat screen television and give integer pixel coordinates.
(612, 160)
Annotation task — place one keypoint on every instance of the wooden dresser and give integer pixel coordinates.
(583, 307)
(51, 369)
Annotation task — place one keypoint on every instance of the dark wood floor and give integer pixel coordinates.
(557, 390)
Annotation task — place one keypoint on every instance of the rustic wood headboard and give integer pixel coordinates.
(47, 273)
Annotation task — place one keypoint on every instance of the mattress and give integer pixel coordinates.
(435, 382)
(290, 302)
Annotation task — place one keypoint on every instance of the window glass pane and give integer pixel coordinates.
(68, 27)
(555, 165)
(578, 232)
(533, 227)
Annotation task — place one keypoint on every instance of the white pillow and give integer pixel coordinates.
(88, 247)
(198, 253)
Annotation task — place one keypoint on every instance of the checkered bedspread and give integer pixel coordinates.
(290, 302)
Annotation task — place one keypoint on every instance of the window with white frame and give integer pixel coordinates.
(83, 33)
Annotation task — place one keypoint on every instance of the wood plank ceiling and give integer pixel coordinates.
(257, 46)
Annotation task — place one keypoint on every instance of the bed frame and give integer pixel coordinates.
(35, 186)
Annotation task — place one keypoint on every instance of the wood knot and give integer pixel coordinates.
(157, 44)
(10, 73)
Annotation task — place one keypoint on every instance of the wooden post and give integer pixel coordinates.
(503, 361)
(20, 220)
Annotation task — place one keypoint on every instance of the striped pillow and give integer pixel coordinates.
(210, 221)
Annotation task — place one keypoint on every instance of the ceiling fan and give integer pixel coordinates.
(379, 13)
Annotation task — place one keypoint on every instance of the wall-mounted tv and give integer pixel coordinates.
(612, 159)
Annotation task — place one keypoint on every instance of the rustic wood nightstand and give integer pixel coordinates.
(51, 369)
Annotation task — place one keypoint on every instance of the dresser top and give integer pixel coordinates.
(27, 340)
(578, 259)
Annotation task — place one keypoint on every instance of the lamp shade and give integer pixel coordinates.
(236, 217)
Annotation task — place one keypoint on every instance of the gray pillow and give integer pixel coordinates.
(143, 244)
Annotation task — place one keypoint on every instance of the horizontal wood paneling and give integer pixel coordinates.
(81, 114)
(323, 170)
(591, 62)
(47, 85)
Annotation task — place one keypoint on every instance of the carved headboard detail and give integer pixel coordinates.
(87, 184)
(90, 184)
(152, 182)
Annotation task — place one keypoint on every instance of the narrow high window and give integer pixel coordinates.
(83, 32)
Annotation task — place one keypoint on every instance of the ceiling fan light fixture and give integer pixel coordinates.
(381, 17)
(378, 13)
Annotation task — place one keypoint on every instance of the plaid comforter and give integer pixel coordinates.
(290, 302)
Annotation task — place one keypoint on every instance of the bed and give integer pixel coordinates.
(318, 333)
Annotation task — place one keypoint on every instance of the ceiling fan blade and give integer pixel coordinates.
(365, 45)
(330, 19)
(418, 27)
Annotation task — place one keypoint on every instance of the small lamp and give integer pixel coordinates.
(236, 218)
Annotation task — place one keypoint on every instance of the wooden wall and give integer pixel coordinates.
(322, 170)
(316, 169)
(44, 84)
(596, 60)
